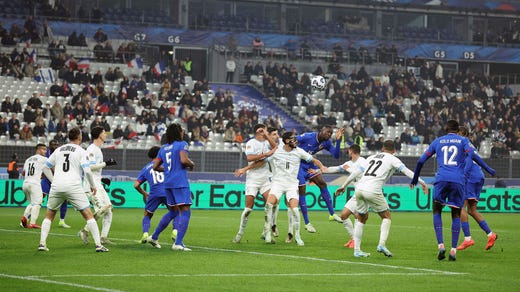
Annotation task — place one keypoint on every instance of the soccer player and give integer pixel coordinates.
(369, 194)
(70, 162)
(46, 186)
(312, 143)
(448, 189)
(155, 196)
(32, 172)
(258, 179)
(173, 159)
(100, 200)
(285, 163)
(355, 162)
(474, 182)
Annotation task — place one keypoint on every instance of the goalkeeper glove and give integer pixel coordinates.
(106, 181)
(111, 161)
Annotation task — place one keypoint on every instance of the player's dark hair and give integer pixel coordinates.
(40, 145)
(271, 129)
(287, 136)
(96, 131)
(74, 134)
(355, 148)
(452, 126)
(173, 133)
(463, 131)
(258, 126)
(389, 145)
(152, 153)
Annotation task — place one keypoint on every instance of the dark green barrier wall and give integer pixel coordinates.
(231, 196)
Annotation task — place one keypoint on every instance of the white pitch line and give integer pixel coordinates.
(38, 279)
(235, 275)
(281, 255)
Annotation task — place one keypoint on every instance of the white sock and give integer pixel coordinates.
(268, 217)
(46, 227)
(349, 227)
(385, 229)
(275, 214)
(35, 212)
(243, 220)
(62, 220)
(27, 211)
(295, 221)
(289, 221)
(358, 234)
(94, 230)
(107, 222)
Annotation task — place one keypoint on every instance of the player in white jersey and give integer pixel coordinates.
(258, 177)
(369, 194)
(355, 162)
(285, 163)
(100, 200)
(70, 162)
(32, 173)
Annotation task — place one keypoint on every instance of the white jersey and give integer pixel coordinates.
(68, 161)
(379, 168)
(287, 164)
(360, 164)
(95, 156)
(33, 168)
(262, 173)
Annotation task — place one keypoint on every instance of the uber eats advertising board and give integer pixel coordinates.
(231, 196)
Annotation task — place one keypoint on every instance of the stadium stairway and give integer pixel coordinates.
(248, 96)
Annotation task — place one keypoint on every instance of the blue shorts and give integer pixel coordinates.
(473, 190)
(153, 203)
(178, 196)
(46, 186)
(303, 173)
(449, 193)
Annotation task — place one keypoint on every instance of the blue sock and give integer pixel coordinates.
(455, 231)
(63, 210)
(328, 200)
(146, 224)
(182, 226)
(465, 228)
(484, 226)
(303, 208)
(437, 226)
(165, 220)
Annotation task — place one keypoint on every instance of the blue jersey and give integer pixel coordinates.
(175, 174)
(309, 142)
(155, 180)
(45, 182)
(473, 172)
(452, 151)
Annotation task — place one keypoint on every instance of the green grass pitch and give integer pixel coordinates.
(217, 264)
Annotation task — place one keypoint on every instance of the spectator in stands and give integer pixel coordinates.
(499, 150)
(8, 39)
(14, 125)
(104, 123)
(72, 40)
(39, 129)
(45, 32)
(100, 36)
(4, 126)
(415, 139)
(397, 143)
(129, 133)
(108, 52)
(109, 75)
(60, 138)
(25, 133)
(62, 126)
(258, 44)
(229, 134)
(188, 65)
(406, 136)
(231, 66)
(7, 106)
(17, 106)
(99, 51)
(118, 132)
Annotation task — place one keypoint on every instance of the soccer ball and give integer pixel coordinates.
(318, 82)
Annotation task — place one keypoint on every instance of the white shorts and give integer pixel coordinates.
(74, 195)
(33, 193)
(253, 188)
(290, 191)
(367, 199)
(351, 204)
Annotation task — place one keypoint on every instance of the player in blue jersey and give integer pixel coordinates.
(46, 186)
(173, 159)
(312, 143)
(452, 151)
(155, 195)
(474, 182)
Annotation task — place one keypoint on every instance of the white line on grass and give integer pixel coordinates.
(38, 279)
(420, 270)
